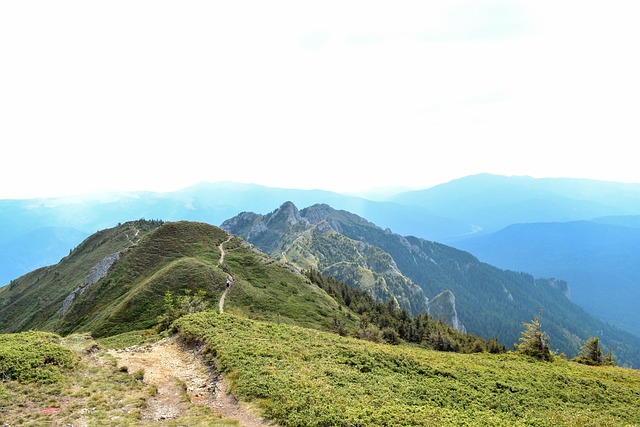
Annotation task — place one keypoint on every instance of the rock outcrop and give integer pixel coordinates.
(99, 271)
(443, 307)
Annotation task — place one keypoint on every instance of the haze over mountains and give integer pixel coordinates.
(34, 233)
(599, 260)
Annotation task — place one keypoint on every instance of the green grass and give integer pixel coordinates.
(303, 377)
(129, 339)
(267, 290)
(92, 393)
(35, 299)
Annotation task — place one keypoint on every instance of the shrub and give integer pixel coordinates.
(34, 357)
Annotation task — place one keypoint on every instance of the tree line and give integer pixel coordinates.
(385, 322)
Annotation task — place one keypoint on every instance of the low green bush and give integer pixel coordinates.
(34, 357)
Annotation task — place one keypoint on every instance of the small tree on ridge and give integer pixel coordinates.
(533, 341)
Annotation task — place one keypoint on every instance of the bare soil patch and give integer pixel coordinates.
(182, 380)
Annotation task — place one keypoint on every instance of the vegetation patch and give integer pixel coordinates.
(129, 339)
(34, 357)
(69, 384)
(304, 377)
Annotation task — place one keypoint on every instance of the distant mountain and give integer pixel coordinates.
(598, 258)
(491, 202)
(490, 302)
(207, 202)
(308, 241)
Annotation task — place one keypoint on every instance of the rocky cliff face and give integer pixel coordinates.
(443, 307)
(98, 272)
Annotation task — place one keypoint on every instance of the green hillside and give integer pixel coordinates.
(298, 376)
(302, 377)
(174, 257)
(273, 344)
(35, 300)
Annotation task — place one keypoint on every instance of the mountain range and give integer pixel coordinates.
(116, 281)
(36, 233)
(151, 333)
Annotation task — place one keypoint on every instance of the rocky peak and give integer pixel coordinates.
(316, 213)
(239, 220)
(290, 213)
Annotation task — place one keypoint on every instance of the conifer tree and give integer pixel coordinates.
(533, 341)
(591, 353)
(591, 350)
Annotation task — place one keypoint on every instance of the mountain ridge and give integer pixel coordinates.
(598, 258)
(497, 301)
(443, 213)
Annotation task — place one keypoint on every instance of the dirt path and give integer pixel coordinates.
(222, 252)
(221, 302)
(178, 372)
(229, 278)
(134, 236)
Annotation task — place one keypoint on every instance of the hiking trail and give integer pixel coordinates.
(177, 371)
(229, 277)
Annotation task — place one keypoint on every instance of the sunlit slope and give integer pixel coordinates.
(303, 377)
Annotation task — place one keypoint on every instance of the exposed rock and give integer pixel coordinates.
(315, 214)
(240, 221)
(443, 307)
(291, 213)
(324, 226)
(562, 286)
(100, 270)
(506, 291)
(257, 228)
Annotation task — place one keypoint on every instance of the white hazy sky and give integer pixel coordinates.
(339, 95)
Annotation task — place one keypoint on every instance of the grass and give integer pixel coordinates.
(267, 290)
(129, 339)
(303, 377)
(34, 357)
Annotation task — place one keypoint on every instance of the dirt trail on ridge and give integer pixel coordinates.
(229, 277)
(178, 372)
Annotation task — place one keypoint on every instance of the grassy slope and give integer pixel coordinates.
(174, 257)
(303, 377)
(34, 300)
(267, 290)
(170, 257)
(186, 255)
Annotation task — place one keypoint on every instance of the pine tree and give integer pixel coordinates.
(591, 354)
(591, 350)
(533, 341)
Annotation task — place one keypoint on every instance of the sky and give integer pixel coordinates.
(345, 96)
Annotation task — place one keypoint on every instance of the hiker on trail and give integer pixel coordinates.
(228, 282)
